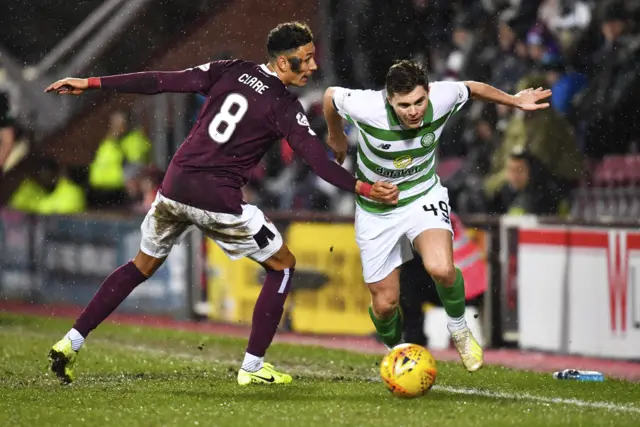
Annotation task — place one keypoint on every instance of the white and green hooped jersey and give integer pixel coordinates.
(390, 152)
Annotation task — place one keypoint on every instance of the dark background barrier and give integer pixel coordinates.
(63, 260)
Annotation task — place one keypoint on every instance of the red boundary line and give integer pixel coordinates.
(595, 239)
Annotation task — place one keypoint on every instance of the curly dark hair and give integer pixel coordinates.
(404, 76)
(287, 37)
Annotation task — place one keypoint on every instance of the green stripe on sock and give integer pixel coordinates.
(389, 330)
(453, 298)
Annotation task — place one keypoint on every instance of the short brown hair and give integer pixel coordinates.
(404, 76)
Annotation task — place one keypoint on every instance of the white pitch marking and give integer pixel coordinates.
(533, 398)
(446, 389)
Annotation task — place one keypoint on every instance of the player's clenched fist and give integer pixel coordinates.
(69, 86)
(385, 192)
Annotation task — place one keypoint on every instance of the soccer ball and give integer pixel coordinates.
(409, 370)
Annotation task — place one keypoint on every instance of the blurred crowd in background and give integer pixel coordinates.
(496, 160)
(578, 158)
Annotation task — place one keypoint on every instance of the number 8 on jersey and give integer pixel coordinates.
(231, 112)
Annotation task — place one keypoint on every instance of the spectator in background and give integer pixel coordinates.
(609, 105)
(49, 192)
(472, 56)
(33, 190)
(123, 151)
(465, 188)
(509, 66)
(149, 180)
(14, 140)
(545, 134)
(565, 84)
(531, 190)
(468, 195)
(541, 44)
(485, 141)
(566, 19)
(67, 197)
(398, 30)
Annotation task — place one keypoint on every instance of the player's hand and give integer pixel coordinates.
(338, 143)
(528, 99)
(69, 86)
(385, 192)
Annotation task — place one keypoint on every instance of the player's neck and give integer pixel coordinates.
(273, 69)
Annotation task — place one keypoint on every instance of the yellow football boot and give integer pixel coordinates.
(468, 348)
(265, 375)
(63, 357)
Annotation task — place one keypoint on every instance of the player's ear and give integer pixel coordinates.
(282, 64)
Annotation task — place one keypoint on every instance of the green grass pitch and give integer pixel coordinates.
(141, 376)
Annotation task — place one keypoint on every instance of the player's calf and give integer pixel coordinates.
(450, 287)
(267, 314)
(385, 309)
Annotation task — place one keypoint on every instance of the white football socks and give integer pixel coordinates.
(76, 339)
(252, 363)
(455, 324)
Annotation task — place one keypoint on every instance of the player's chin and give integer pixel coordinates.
(303, 81)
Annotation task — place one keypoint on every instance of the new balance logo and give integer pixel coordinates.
(384, 146)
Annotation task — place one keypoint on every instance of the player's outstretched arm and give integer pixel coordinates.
(336, 138)
(526, 100)
(69, 86)
(192, 80)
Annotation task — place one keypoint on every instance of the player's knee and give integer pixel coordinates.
(290, 260)
(442, 273)
(384, 304)
(147, 264)
(282, 260)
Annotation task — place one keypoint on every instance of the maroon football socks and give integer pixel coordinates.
(266, 316)
(113, 291)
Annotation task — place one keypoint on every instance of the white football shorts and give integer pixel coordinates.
(249, 234)
(385, 240)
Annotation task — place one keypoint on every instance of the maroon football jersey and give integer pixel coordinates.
(246, 111)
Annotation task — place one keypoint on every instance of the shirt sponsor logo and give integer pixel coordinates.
(391, 173)
(402, 162)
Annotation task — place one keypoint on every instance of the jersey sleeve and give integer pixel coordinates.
(449, 96)
(352, 103)
(198, 79)
(293, 125)
(208, 74)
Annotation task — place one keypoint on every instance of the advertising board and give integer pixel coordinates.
(579, 290)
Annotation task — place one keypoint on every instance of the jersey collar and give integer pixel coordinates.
(266, 70)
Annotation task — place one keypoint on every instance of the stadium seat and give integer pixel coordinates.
(447, 167)
(632, 168)
(610, 172)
